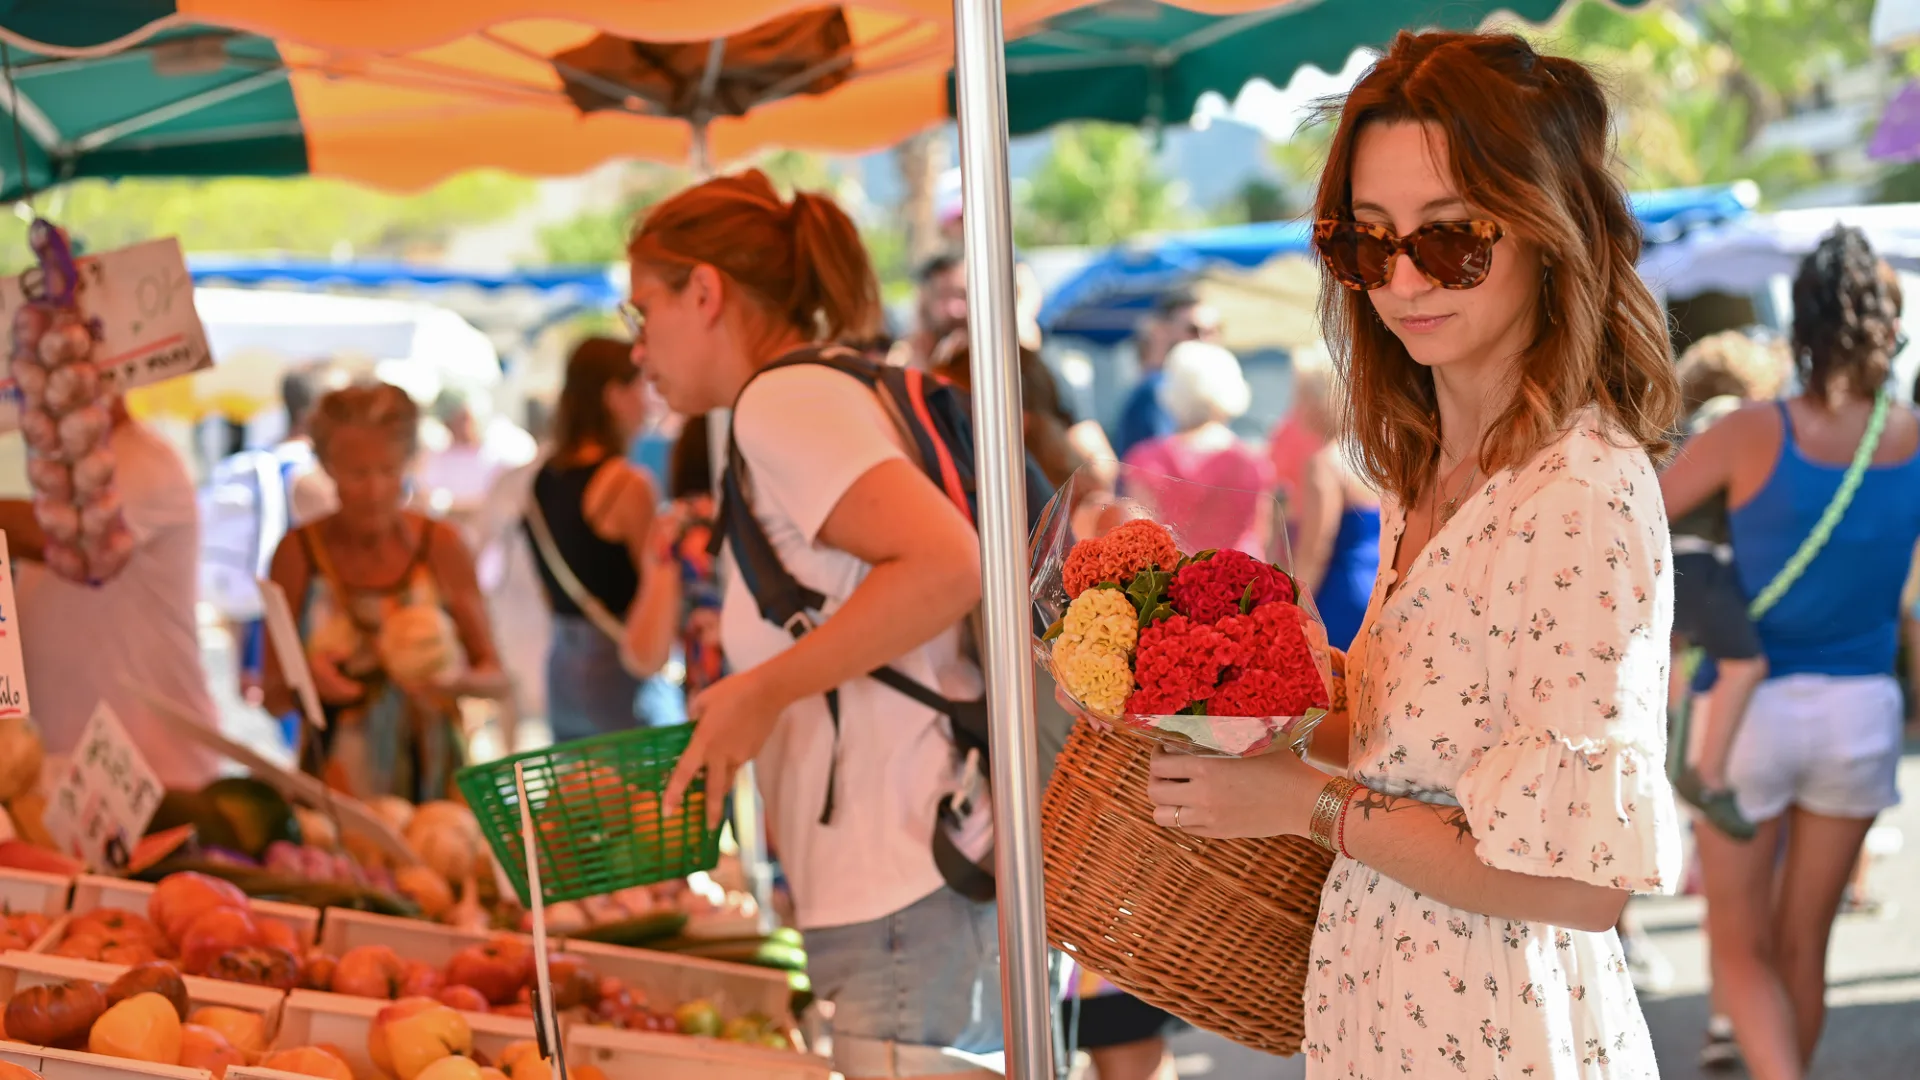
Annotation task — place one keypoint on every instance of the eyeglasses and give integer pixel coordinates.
(635, 320)
(1451, 254)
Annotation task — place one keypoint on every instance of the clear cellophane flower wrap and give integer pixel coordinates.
(1168, 609)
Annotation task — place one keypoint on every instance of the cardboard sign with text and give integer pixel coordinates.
(140, 300)
(290, 651)
(13, 668)
(101, 807)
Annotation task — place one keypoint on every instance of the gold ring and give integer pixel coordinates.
(1176, 816)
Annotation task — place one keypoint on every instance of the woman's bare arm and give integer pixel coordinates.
(460, 591)
(1318, 523)
(1704, 465)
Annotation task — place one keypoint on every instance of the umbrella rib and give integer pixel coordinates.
(612, 88)
(99, 137)
(831, 64)
(1227, 27)
(27, 114)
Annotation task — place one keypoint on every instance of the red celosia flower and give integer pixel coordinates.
(1118, 556)
(1273, 639)
(1254, 692)
(1210, 590)
(1177, 663)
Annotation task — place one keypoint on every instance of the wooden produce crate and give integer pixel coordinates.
(666, 979)
(28, 890)
(91, 891)
(413, 939)
(19, 970)
(315, 1019)
(659, 1056)
(75, 1065)
(669, 980)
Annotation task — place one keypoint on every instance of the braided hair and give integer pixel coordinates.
(1845, 318)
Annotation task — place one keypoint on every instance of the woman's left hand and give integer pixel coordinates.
(733, 719)
(1225, 798)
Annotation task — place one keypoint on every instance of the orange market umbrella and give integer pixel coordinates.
(401, 95)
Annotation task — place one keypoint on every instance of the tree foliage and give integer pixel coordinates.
(302, 216)
(1100, 185)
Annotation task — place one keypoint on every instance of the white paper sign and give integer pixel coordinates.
(101, 806)
(290, 651)
(142, 297)
(13, 670)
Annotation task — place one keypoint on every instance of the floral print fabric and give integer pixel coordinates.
(1520, 673)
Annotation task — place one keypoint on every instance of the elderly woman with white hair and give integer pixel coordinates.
(1203, 390)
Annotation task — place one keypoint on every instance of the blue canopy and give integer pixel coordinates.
(585, 285)
(1105, 300)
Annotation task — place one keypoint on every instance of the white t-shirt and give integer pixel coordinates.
(79, 641)
(808, 434)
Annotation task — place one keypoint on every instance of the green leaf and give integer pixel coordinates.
(1246, 599)
(1159, 612)
(1059, 626)
(1114, 585)
(1197, 708)
(1203, 556)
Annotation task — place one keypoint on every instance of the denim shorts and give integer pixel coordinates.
(916, 993)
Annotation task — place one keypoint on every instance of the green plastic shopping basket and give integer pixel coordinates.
(596, 814)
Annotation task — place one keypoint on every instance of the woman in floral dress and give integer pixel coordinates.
(1498, 790)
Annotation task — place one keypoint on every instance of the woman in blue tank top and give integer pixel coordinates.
(1817, 752)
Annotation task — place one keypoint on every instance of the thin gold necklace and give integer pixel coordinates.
(1447, 509)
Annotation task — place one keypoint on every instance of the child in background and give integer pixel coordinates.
(1718, 374)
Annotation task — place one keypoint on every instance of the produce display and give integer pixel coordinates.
(497, 976)
(65, 422)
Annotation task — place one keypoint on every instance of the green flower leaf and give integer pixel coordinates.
(1246, 599)
(1197, 708)
(1159, 612)
(1059, 627)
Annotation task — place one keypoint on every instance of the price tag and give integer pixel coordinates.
(140, 300)
(101, 806)
(13, 670)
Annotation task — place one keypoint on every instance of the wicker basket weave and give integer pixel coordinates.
(1215, 932)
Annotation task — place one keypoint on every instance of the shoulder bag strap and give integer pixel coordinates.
(589, 605)
(1830, 518)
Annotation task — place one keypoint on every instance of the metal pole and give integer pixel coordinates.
(981, 90)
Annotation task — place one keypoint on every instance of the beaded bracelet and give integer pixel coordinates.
(1327, 810)
(1340, 828)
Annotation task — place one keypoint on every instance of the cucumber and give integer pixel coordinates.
(638, 931)
(760, 952)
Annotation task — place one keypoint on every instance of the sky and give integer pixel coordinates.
(1278, 112)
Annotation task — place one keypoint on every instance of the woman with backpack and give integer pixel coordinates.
(729, 280)
(1820, 498)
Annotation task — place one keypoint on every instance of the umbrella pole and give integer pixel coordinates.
(981, 92)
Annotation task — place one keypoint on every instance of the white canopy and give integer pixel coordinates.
(1744, 255)
(255, 334)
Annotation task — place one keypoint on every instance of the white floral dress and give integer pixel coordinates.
(1518, 672)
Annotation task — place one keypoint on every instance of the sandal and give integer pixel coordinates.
(1717, 805)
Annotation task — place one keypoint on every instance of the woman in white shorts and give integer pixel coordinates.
(1817, 753)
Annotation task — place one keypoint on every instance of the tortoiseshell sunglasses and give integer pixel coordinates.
(1451, 254)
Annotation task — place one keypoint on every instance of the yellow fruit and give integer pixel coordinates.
(145, 1027)
(309, 1061)
(245, 1030)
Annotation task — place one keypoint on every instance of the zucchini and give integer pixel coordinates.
(642, 930)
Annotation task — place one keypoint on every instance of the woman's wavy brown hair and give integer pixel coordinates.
(1528, 140)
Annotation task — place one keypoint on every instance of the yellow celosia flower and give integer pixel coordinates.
(1092, 654)
(1104, 615)
(1096, 676)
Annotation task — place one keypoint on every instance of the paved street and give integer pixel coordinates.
(1873, 1024)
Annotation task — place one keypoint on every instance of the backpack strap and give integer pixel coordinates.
(786, 603)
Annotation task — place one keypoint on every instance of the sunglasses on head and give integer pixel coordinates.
(1451, 254)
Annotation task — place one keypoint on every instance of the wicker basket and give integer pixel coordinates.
(1215, 932)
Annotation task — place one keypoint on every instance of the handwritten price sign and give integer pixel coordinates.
(141, 299)
(13, 669)
(101, 806)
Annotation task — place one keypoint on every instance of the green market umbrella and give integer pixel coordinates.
(1141, 62)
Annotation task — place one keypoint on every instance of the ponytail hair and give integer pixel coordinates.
(802, 261)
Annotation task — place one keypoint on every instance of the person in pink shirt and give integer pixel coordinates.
(1301, 433)
(1203, 390)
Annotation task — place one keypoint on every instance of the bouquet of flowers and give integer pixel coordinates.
(1204, 647)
